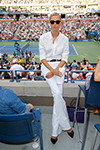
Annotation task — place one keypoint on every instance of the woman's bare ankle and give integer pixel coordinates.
(54, 137)
(70, 130)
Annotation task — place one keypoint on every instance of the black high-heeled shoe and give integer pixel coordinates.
(53, 140)
(71, 134)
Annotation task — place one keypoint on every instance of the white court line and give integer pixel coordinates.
(75, 49)
(3, 47)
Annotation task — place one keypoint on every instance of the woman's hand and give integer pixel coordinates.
(49, 75)
(55, 72)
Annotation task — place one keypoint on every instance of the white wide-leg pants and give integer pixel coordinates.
(60, 119)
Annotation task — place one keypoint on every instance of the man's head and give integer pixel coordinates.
(15, 61)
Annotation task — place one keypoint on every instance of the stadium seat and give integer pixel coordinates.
(92, 99)
(97, 129)
(21, 128)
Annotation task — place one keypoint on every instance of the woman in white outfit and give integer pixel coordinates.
(54, 51)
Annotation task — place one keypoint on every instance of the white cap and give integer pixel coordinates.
(15, 61)
(74, 75)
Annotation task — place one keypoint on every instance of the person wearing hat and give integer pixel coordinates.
(16, 66)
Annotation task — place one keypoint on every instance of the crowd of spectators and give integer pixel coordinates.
(69, 9)
(23, 63)
(31, 70)
(79, 70)
(72, 6)
(45, 17)
(46, 1)
(32, 29)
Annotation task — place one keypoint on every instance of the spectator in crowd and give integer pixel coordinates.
(74, 65)
(38, 76)
(20, 60)
(11, 104)
(7, 75)
(0, 56)
(31, 66)
(69, 76)
(75, 38)
(1, 75)
(74, 76)
(84, 75)
(79, 67)
(97, 79)
(16, 66)
(26, 75)
(11, 62)
(33, 60)
(2, 65)
(97, 71)
(22, 54)
(27, 58)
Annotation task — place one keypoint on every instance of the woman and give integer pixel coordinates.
(54, 50)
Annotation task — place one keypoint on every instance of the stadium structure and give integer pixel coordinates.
(81, 18)
(27, 20)
(44, 7)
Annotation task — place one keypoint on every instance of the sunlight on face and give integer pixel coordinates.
(55, 27)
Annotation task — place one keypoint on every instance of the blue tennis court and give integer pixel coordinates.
(9, 49)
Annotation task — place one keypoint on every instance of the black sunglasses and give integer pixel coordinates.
(57, 21)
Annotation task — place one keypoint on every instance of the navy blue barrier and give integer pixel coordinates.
(12, 77)
(65, 81)
(81, 40)
(66, 77)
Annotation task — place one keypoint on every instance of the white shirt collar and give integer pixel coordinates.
(51, 38)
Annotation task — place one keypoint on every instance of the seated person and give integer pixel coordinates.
(20, 60)
(11, 104)
(96, 78)
(7, 75)
(38, 76)
(97, 71)
(26, 75)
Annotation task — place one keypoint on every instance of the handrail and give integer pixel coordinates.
(66, 80)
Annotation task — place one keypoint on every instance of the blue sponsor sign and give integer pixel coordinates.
(92, 34)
